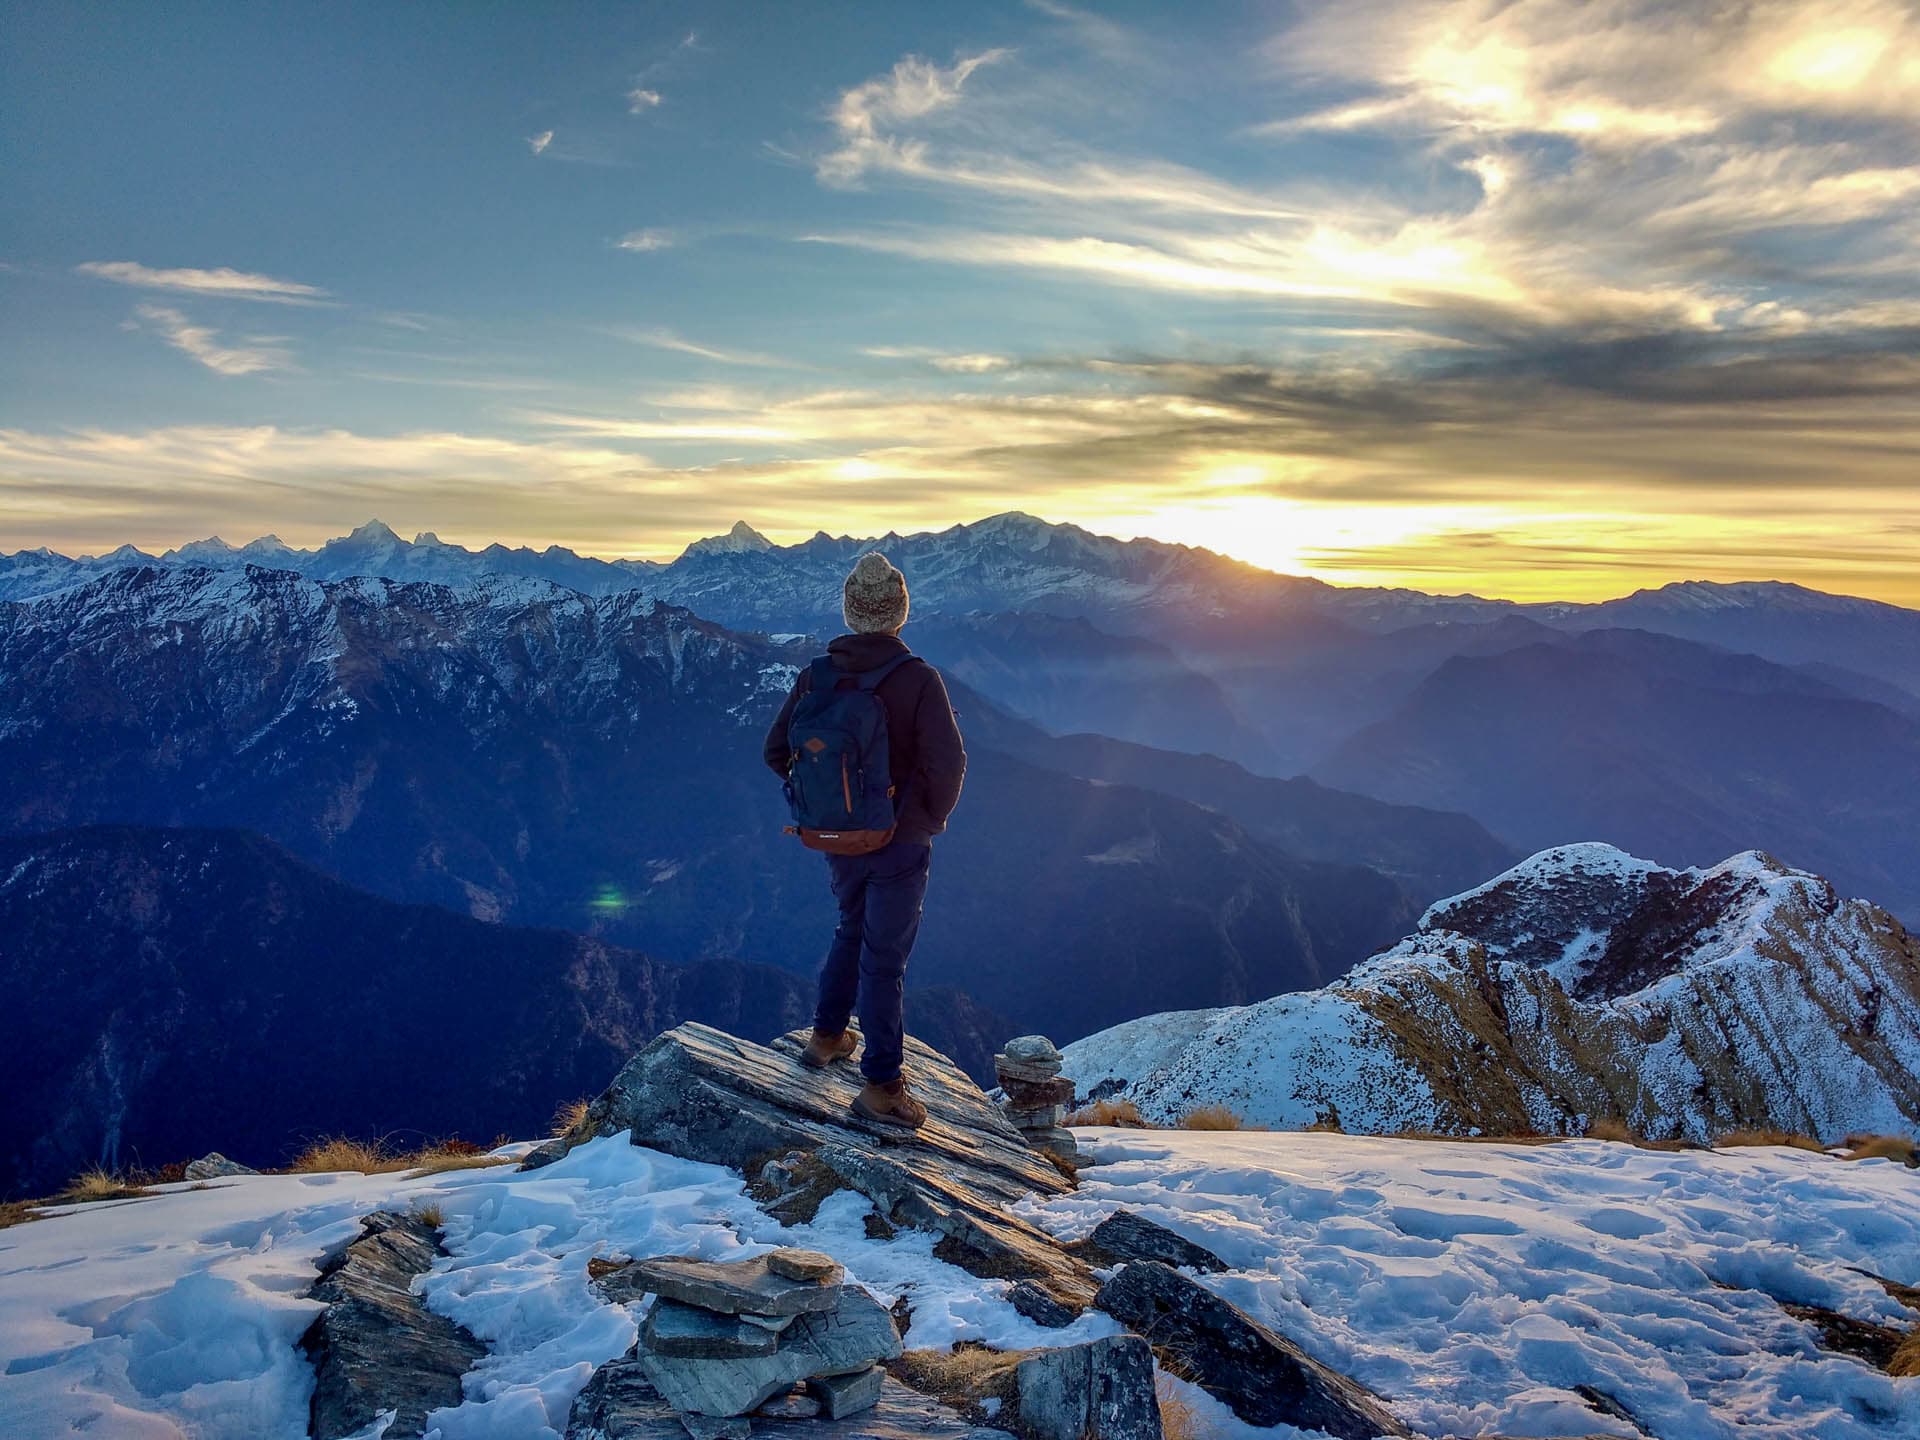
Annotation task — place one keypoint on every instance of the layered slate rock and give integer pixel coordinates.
(1124, 1237)
(730, 1287)
(852, 1336)
(215, 1166)
(1099, 1391)
(620, 1403)
(376, 1346)
(702, 1094)
(1263, 1377)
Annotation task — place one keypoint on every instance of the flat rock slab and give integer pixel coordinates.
(729, 1287)
(1263, 1377)
(376, 1346)
(619, 1403)
(676, 1329)
(1124, 1236)
(856, 1334)
(1099, 1391)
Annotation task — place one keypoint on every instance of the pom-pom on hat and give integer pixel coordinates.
(874, 600)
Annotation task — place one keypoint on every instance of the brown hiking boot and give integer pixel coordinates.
(823, 1049)
(889, 1104)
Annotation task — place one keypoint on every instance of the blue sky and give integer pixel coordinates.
(1539, 298)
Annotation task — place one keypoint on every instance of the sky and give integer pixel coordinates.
(1542, 299)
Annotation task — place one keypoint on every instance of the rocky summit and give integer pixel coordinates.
(1582, 985)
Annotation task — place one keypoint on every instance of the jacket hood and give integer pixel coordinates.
(856, 654)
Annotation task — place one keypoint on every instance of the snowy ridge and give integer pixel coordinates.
(1473, 1286)
(1582, 984)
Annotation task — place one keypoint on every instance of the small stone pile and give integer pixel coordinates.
(1028, 1069)
(780, 1336)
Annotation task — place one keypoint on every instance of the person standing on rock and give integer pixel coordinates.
(872, 759)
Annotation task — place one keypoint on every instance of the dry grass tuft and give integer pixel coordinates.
(1617, 1131)
(377, 1157)
(1060, 1162)
(340, 1152)
(1883, 1147)
(571, 1118)
(1178, 1420)
(1906, 1360)
(97, 1184)
(18, 1212)
(1780, 1139)
(430, 1215)
(1212, 1117)
(962, 1377)
(1121, 1113)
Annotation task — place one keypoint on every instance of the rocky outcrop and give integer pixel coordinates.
(1124, 1236)
(376, 1347)
(706, 1095)
(1581, 985)
(1263, 1377)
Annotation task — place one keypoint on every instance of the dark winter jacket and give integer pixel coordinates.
(924, 749)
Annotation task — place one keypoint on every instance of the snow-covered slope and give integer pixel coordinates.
(1474, 1286)
(1582, 984)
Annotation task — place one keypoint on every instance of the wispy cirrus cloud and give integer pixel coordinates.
(220, 283)
(257, 354)
(659, 339)
(643, 242)
(538, 143)
(640, 100)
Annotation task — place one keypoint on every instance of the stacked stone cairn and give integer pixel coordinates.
(1028, 1069)
(780, 1336)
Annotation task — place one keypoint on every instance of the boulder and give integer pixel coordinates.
(1124, 1236)
(1264, 1378)
(855, 1335)
(1099, 1391)
(1040, 1307)
(376, 1346)
(619, 1403)
(1041, 1117)
(731, 1287)
(676, 1329)
(214, 1166)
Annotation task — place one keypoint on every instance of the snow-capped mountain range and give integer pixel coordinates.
(1016, 562)
(1582, 985)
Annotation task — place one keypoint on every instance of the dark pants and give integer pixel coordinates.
(880, 897)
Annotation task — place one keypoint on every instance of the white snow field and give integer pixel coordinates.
(1474, 1285)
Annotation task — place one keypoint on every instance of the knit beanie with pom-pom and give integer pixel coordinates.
(874, 600)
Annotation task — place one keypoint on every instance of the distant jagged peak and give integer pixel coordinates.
(374, 532)
(742, 539)
(212, 549)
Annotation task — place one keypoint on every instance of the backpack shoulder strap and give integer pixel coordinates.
(870, 680)
(821, 675)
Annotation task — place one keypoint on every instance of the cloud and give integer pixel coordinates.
(641, 100)
(539, 143)
(961, 364)
(914, 89)
(219, 283)
(667, 340)
(643, 241)
(204, 345)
